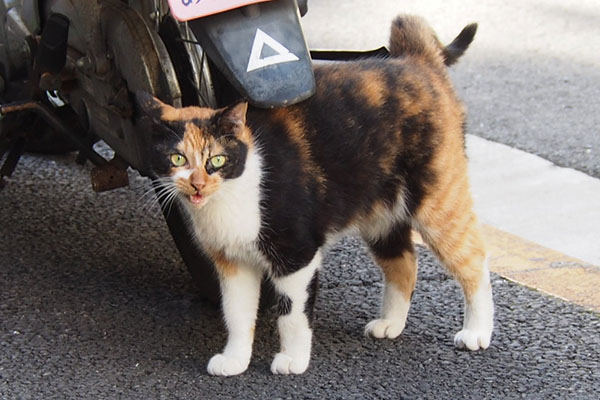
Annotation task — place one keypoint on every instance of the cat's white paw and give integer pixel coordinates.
(222, 365)
(473, 339)
(384, 328)
(284, 364)
(479, 318)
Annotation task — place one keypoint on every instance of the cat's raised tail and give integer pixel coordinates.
(412, 36)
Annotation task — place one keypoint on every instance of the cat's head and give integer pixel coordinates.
(195, 150)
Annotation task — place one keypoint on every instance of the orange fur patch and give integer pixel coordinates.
(245, 136)
(401, 272)
(373, 88)
(170, 113)
(193, 142)
(446, 218)
(296, 133)
(224, 267)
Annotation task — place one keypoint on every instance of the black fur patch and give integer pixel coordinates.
(164, 143)
(284, 305)
(396, 243)
(347, 138)
(313, 288)
(236, 153)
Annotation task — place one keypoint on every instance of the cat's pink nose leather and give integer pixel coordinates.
(198, 186)
(198, 181)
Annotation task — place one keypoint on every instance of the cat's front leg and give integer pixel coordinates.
(240, 292)
(297, 293)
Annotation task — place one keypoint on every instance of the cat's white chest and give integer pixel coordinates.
(231, 218)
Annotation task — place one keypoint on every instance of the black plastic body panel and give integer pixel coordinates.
(269, 76)
(348, 55)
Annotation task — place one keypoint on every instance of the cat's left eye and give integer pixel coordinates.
(178, 160)
(217, 161)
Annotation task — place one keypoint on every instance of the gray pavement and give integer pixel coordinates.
(95, 302)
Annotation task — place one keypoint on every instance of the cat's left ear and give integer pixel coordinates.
(150, 106)
(234, 116)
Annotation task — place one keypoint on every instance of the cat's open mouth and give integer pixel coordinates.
(196, 199)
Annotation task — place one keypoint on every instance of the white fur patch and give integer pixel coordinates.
(294, 329)
(373, 227)
(295, 285)
(394, 311)
(183, 173)
(479, 317)
(230, 220)
(382, 221)
(240, 294)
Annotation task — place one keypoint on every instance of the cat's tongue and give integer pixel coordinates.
(196, 198)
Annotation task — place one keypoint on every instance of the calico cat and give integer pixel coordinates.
(378, 151)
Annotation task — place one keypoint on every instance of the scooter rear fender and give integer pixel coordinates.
(261, 51)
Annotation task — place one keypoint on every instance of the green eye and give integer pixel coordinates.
(178, 160)
(217, 161)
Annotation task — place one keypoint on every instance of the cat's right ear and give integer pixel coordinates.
(150, 106)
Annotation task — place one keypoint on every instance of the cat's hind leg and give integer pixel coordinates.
(296, 293)
(450, 228)
(396, 256)
(240, 292)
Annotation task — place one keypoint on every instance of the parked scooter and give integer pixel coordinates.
(68, 69)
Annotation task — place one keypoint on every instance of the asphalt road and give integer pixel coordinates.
(95, 302)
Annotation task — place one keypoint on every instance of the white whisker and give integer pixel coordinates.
(162, 193)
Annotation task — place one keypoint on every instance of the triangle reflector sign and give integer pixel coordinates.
(260, 41)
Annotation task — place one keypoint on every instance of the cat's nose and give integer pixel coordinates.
(198, 181)
(198, 185)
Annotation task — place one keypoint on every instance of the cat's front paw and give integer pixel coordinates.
(222, 365)
(384, 328)
(472, 339)
(284, 364)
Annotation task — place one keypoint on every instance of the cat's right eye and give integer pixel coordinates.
(178, 160)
